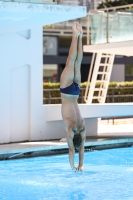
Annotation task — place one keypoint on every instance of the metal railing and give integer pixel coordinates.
(33, 1)
(114, 95)
(129, 6)
(117, 120)
(49, 98)
(112, 24)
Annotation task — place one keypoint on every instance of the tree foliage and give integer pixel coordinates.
(113, 3)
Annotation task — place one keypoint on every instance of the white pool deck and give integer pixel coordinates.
(107, 135)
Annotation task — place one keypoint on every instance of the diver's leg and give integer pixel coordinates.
(67, 76)
(77, 73)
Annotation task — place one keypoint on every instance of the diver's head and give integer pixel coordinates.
(77, 141)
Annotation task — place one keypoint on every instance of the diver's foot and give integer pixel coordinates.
(76, 31)
(79, 28)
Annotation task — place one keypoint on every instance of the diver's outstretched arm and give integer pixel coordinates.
(81, 150)
(70, 135)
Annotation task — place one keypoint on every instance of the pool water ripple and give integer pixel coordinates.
(108, 175)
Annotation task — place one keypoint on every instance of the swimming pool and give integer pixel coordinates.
(108, 175)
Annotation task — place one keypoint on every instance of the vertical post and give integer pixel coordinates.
(107, 27)
(113, 95)
(95, 3)
(49, 95)
(88, 30)
(82, 97)
(93, 79)
(89, 77)
(113, 120)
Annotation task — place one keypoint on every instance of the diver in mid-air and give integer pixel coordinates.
(70, 89)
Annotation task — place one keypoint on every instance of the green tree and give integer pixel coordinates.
(112, 3)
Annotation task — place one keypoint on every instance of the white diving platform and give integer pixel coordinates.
(118, 48)
(92, 111)
(17, 16)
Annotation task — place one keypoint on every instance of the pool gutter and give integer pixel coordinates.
(47, 148)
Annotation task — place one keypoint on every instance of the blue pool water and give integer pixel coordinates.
(108, 175)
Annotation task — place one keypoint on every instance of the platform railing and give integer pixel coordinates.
(114, 95)
(33, 1)
(61, 2)
(110, 25)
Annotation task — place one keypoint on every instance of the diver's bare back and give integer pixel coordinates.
(71, 113)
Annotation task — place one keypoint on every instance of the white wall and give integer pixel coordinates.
(20, 86)
(118, 73)
(19, 102)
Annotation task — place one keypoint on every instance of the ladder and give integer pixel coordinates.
(99, 74)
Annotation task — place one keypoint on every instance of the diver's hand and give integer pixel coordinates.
(80, 168)
(74, 169)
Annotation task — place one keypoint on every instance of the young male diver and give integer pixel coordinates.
(70, 89)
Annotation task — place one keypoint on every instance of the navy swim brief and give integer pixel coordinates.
(73, 89)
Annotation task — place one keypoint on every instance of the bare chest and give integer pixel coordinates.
(71, 115)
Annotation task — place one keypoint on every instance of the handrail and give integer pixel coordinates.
(109, 25)
(33, 1)
(112, 8)
(116, 88)
(48, 97)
